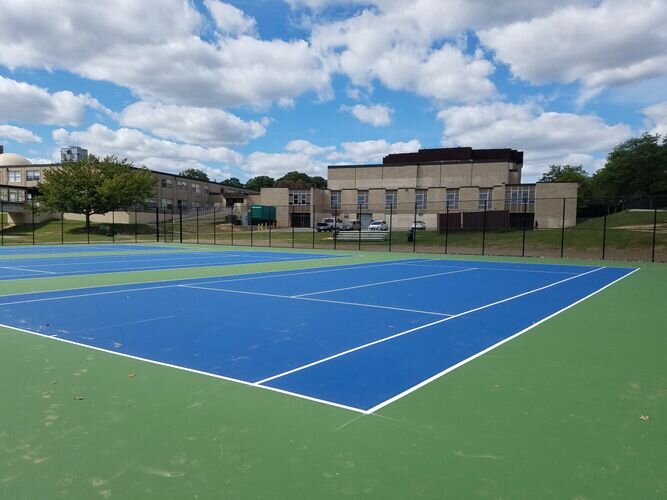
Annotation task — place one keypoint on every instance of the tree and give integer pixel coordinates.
(259, 182)
(299, 180)
(195, 174)
(636, 167)
(94, 186)
(233, 181)
(565, 173)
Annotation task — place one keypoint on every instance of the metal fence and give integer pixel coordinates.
(633, 229)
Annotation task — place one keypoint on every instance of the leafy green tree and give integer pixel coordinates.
(565, 173)
(94, 186)
(259, 182)
(636, 167)
(299, 180)
(233, 181)
(195, 174)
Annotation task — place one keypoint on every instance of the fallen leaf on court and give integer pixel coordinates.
(79, 398)
(645, 418)
(132, 375)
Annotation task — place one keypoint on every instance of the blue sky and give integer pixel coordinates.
(261, 87)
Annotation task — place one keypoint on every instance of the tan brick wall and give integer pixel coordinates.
(279, 198)
(549, 204)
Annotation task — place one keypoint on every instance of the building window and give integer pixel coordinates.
(299, 197)
(32, 175)
(485, 198)
(362, 199)
(16, 196)
(390, 197)
(520, 198)
(167, 203)
(182, 186)
(420, 199)
(196, 204)
(196, 188)
(150, 203)
(14, 176)
(335, 200)
(453, 198)
(166, 183)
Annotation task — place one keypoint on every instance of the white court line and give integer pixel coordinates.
(377, 283)
(26, 269)
(493, 268)
(183, 368)
(400, 334)
(481, 353)
(290, 297)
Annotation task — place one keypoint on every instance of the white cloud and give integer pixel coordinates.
(18, 134)
(612, 42)
(155, 49)
(371, 151)
(22, 102)
(206, 126)
(545, 137)
(376, 114)
(657, 119)
(229, 19)
(143, 149)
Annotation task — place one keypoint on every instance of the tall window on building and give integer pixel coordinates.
(299, 197)
(32, 175)
(335, 200)
(166, 183)
(182, 186)
(14, 176)
(485, 198)
(362, 199)
(390, 197)
(520, 198)
(167, 204)
(196, 188)
(452, 201)
(420, 199)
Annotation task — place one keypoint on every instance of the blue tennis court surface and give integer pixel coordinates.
(79, 247)
(37, 267)
(355, 336)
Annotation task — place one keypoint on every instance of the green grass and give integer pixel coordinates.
(554, 413)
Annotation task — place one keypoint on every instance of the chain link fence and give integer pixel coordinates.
(620, 229)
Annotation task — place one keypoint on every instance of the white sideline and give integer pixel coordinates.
(490, 348)
(400, 334)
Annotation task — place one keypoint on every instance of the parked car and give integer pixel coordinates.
(350, 225)
(378, 225)
(418, 224)
(329, 224)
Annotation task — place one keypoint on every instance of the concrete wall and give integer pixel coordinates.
(279, 198)
(549, 204)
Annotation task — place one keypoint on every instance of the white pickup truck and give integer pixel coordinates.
(329, 224)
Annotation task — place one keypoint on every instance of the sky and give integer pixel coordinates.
(263, 87)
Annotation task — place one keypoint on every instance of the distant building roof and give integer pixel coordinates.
(11, 159)
(454, 155)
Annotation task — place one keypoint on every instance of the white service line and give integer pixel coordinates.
(183, 368)
(490, 348)
(400, 334)
(377, 283)
(26, 269)
(493, 268)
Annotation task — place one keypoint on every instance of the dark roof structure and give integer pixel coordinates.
(454, 155)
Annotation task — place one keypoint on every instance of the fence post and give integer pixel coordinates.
(413, 229)
(484, 229)
(312, 224)
(604, 232)
(446, 225)
(197, 224)
(32, 209)
(214, 231)
(562, 231)
(113, 227)
(180, 223)
(157, 223)
(655, 225)
(391, 219)
(173, 228)
(523, 241)
(232, 220)
(136, 225)
(359, 242)
(270, 224)
(2, 222)
(292, 224)
(62, 228)
(251, 242)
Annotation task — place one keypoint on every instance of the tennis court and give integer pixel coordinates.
(355, 336)
(35, 266)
